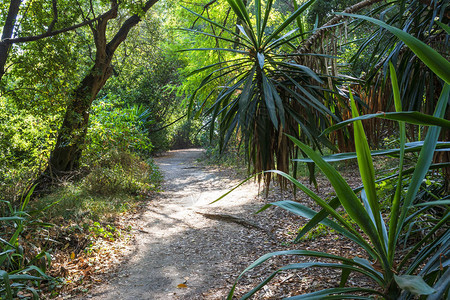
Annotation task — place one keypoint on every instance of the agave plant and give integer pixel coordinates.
(423, 269)
(264, 93)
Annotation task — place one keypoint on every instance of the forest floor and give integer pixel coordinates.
(185, 248)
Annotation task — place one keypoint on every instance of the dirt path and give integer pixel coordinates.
(179, 253)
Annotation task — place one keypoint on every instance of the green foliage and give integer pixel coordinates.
(318, 231)
(25, 143)
(22, 268)
(399, 272)
(23, 137)
(259, 91)
(119, 172)
(107, 232)
(42, 74)
(154, 70)
(116, 126)
(322, 10)
(438, 64)
(116, 183)
(185, 134)
(418, 19)
(404, 278)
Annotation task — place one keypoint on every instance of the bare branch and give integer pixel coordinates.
(91, 6)
(12, 91)
(205, 7)
(225, 21)
(85, 16)
(165, 126)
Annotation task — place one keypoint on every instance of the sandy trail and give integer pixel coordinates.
(176, 245)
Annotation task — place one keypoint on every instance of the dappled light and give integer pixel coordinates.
(224, 149)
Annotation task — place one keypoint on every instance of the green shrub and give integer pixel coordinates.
(116, 183)
(25, 143)
(116, 126)
(107, 232)
(121, 172)
(318, 231)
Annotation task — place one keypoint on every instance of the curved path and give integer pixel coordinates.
(179, 253)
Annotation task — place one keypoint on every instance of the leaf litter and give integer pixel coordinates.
(168, 250)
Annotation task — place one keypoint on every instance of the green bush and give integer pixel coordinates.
(403, 272)
(25, 143)
(121, 172)
(185, 134)
(116, 126)
(115, 184)
(400, 272)
(259, 89)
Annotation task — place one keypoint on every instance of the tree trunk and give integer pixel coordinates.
(7, 33)
(72, 134)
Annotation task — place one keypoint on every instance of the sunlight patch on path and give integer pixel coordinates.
(176, 244)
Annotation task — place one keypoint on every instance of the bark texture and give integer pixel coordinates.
(71, 137)
(7, 33)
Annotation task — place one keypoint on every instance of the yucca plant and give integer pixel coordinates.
(423, 269)
(263, 93)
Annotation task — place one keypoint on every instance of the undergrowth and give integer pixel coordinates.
(116, 183)
(85, 212)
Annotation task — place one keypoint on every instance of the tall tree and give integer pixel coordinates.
(71, 136)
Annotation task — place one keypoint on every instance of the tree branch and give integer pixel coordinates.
(161, 128)
(306, 46)
(8, 29)
(121, 35)
(100, 31)
(205, 7)
(83, 15)
(91, 6)
(32, 38)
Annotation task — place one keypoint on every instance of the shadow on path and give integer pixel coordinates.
(179, 246)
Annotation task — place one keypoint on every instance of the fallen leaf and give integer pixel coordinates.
(182, 286)
(72, 255)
